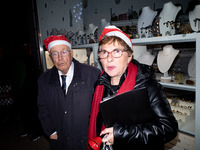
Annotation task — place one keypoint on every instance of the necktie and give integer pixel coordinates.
(64, 83)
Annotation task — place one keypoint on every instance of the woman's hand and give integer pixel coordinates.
(109, 137)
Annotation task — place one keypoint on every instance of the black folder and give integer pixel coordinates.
(131, 107)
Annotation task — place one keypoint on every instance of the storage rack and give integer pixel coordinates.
(193, 37)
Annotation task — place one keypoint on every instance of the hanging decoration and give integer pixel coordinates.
(117, 2)
(85, 3)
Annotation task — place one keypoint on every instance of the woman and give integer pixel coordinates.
(121, 73)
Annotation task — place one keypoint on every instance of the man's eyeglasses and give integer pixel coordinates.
(116, 53)
(63, 53)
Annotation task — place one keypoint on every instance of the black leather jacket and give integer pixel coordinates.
(148, 136)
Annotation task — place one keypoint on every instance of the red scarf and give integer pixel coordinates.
(127, 85)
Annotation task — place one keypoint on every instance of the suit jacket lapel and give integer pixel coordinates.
(54, 78)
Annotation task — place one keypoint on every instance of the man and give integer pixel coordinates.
(64, 104)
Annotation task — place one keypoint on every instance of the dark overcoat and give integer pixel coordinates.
(67, 115)
(151, 135)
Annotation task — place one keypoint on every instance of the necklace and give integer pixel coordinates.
(167, 18)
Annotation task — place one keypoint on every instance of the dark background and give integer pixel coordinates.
(19, 63)
(14, 17)
(19, 28)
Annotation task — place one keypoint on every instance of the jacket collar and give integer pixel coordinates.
(144, 72)
(105, 80)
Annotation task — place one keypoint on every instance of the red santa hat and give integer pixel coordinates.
(56, 40)
(114, 31)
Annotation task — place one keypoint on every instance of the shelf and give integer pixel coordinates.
(189, 128)
(125, 22)
(179, 86)
(167, 39)
(85, 45)
(156, 40)
(174, 85)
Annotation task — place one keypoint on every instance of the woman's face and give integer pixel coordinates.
(115, 67)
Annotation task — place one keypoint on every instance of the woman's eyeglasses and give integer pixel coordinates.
(116, 53)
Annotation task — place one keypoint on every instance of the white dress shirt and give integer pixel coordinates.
(69, 77)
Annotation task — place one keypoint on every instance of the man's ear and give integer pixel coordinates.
(50, 58)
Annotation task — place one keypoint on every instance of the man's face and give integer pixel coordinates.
(61, 57)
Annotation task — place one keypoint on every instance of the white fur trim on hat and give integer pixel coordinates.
(114, 31)
(58, 42)
(122, 36)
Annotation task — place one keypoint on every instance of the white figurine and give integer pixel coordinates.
(103, 24)
(145, 21)
(79, 37)
(194, 18)
(90, 34)
(167, 18)
(146, 58)
(192, 66)
(165, 59)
